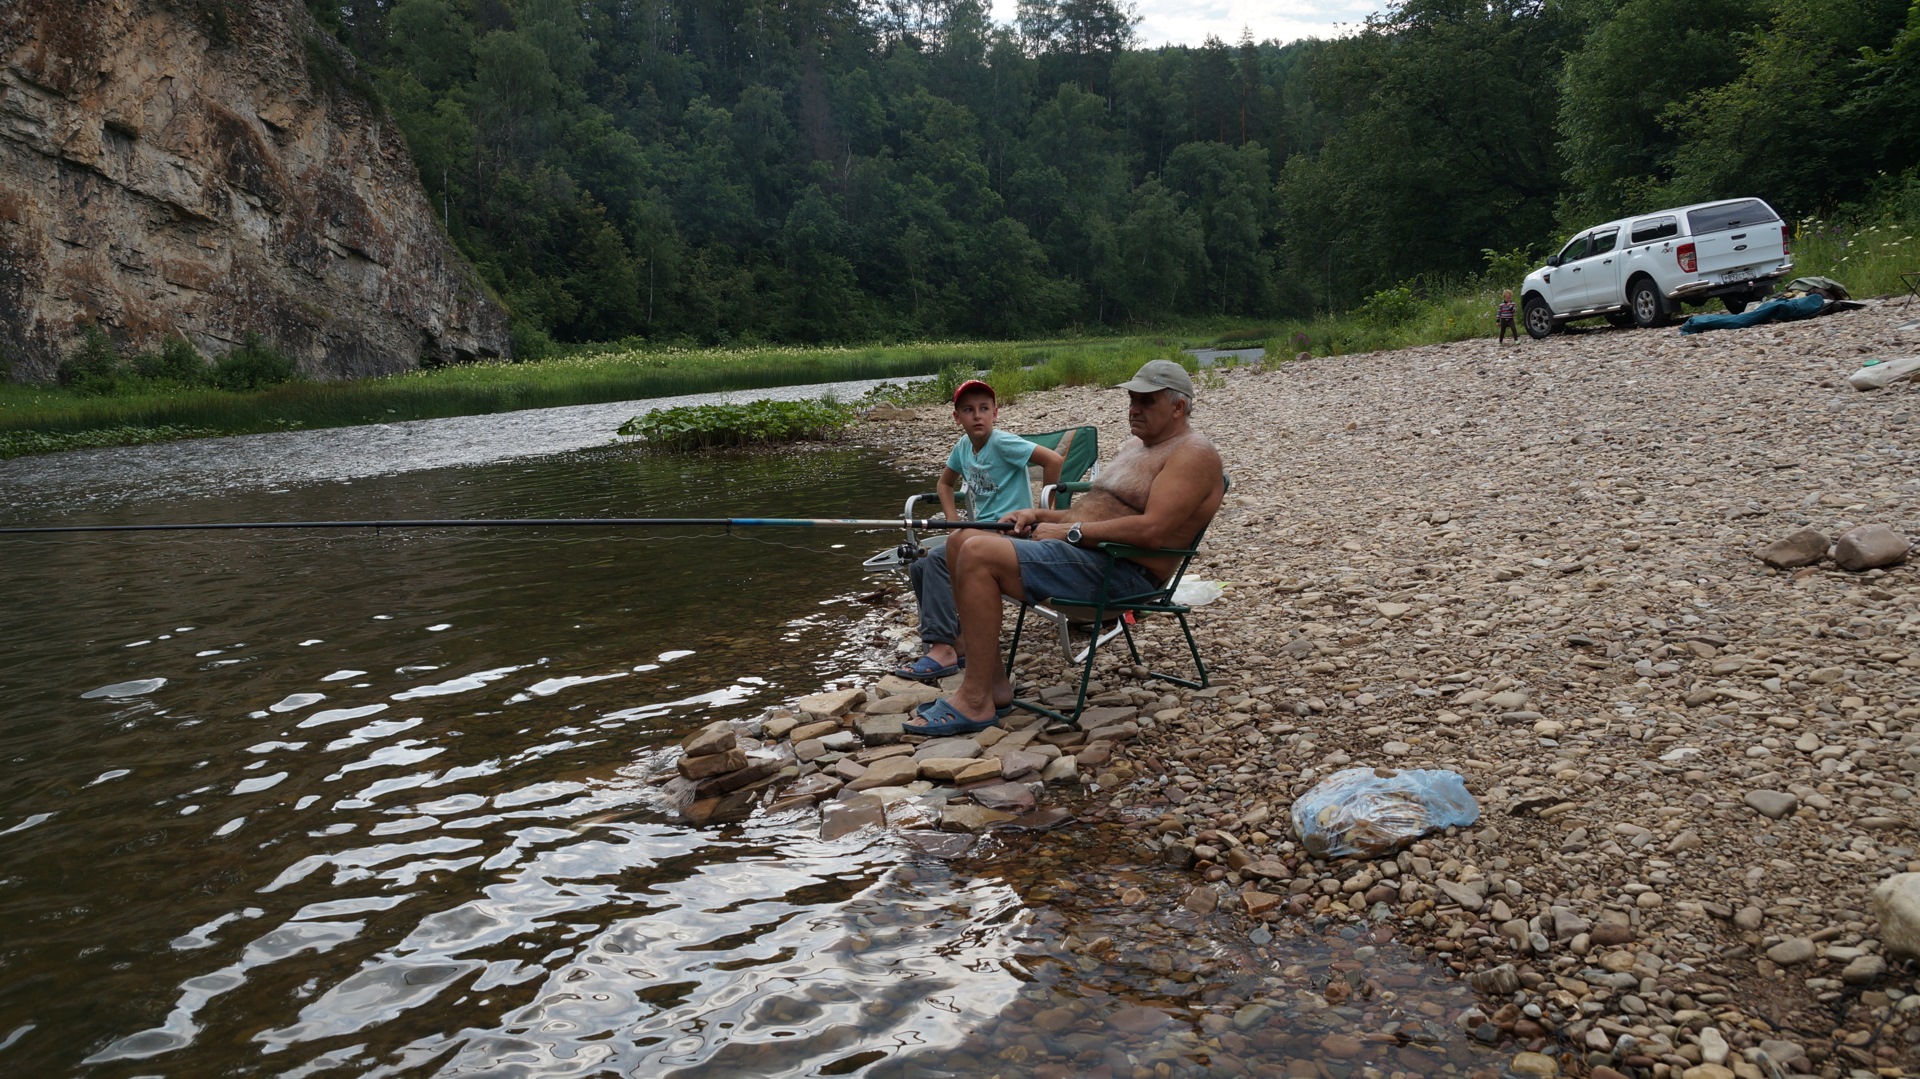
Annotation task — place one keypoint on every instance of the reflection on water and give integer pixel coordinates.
(338, 804)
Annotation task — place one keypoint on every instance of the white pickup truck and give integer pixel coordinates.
(1639, 270)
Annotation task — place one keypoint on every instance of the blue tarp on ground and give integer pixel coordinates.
(1772, 311)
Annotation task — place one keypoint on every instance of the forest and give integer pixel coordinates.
(742, 171)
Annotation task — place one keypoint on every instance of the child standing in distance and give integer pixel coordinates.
(993, 464)
(1504, 315)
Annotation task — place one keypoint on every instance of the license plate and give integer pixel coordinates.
(1737, 275)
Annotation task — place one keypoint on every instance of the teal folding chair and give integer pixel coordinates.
(1090, 614)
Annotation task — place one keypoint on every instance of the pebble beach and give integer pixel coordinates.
(1536, 565)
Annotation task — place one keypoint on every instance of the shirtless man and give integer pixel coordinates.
(1160, 490)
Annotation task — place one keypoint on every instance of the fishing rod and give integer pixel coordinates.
(542, 522)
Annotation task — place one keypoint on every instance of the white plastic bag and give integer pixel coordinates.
(1878, 373)
(1198, 593)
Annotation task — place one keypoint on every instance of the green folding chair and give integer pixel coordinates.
(1090, 615)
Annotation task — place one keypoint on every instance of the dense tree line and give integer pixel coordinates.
(819, 170)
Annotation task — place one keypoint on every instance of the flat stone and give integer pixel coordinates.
(1044, 819)
(1864, 970)
(1015, 798)
(890, 772)
(958, 769)
(849, 815)
(943, 845)
(1708, 1071)
(1061, 770)
(876, 730)
(1093, 718)
(1803, 548)
(947, 747)
(1266, 869)
(716, 737)
(756, 772)
(1341, 1046)
(816, 785)
(1018, 765)
(712, 764)
(1461, 894)
(971, 818)
(1534, 1064)
(1138, 1020)
(1259, 903)
(817, 729)
(1792, 951)
(831, 705)
(1773, 805)
(719, 809)
(894, 686)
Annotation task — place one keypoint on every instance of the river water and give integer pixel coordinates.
(377, 803)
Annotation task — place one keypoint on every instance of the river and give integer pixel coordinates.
(378, 803)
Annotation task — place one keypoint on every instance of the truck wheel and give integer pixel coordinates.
(1538, 318)
(1649, 308)
(1735, 304)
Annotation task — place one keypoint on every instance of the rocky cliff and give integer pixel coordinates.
(211, 168)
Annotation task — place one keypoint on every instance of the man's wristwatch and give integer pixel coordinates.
(1073, 533)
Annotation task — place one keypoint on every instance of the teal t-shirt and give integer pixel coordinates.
(997, 475)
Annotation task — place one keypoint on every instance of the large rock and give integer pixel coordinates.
(1869, 547)
(1803, 548)
(213, 171)
(1896, 902)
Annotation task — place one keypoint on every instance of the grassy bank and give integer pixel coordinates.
(41, 419)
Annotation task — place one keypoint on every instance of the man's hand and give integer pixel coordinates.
(1052, 530)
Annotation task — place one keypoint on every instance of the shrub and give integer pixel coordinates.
(176, 362)
(703, 427)
(1390, 306)
(529, 342)
(1509, 268)
(253, 366)
(95, 367)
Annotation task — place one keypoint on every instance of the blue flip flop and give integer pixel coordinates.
(946, 721)
(921, 710)
(928, 669)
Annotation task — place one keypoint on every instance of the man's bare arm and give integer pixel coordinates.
(1189, 479)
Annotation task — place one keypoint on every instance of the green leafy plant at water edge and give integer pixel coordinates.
(705, 427)
(22, 443)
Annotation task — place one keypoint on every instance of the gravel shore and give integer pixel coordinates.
(1535, 565)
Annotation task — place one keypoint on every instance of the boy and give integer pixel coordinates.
(993, 464)
(1504, 315)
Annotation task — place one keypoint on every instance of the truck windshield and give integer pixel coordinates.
(1731, 215)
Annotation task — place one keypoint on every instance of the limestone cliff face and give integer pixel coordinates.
(206, 168)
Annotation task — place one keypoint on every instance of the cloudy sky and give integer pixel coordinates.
(1188, 22)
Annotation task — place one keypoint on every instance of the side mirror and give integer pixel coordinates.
(1553, 260)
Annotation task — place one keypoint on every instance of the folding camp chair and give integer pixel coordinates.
(1090, 615)
(1079, 447)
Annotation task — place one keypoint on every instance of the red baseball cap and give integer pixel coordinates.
(971, 384)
